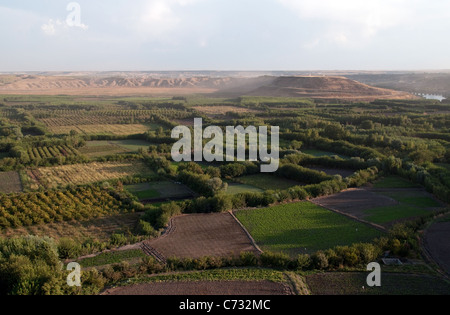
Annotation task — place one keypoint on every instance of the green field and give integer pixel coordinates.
(303, 228)
(112, 258)
(354, 283)
(234, 189)
(384, 215)
(105, 148)
(159, 190)
(267, 182)
(394, 182)
(319, 153)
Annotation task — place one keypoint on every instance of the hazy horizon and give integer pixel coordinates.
(244, 35)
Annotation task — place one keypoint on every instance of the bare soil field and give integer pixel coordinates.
(115, 129)
(199, 235)
(381, 207)
(51, 177)
(10, 182)
(354, 201)
(436, 241)
(259, 288)
(100, 229)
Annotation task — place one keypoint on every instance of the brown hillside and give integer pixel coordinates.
(326, 88)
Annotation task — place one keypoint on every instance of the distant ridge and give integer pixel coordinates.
(326, 87)
(316, 87)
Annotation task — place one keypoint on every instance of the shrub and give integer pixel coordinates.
(275, 260)
(248, 259)
(146, 229)
(68, 248)
(320, 260)
(304, 262)
(118, 240)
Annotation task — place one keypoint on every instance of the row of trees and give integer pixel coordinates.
(81, 203)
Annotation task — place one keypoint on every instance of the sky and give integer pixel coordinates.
(246, 35)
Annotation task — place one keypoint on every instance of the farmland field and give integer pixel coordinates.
(105, 148)
(10, 182)
(383, 206)
(200, 235)
(394, 182)
(392, 284)
(267, 182)
(99, 229)
(302, 228)
(211, 282)
(61, 176)
(437, 244)
(319, 153)
(234, 189)
(115, 257)
(159, 191)
(222, 110)
(118, 130)
(333, 171)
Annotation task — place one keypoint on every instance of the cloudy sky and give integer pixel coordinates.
(120, 35)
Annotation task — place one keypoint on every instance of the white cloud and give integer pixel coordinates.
(159, 19)
(55, 27)
(354, 21)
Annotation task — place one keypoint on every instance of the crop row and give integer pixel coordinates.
(41, 153)
(29, 209)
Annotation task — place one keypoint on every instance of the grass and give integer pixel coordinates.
(113, 129)
(100, 229)
(394, 182)
(61, 176)
(143, 191)
(110, 258)
(391, 284)
(105, 148)
(417, 199)
(267, 182)
(245, 274)
(10, 182)
(159, 190)
(412, 204)
(319, 153)
(234, 189)
(303, 228)
(383, 215)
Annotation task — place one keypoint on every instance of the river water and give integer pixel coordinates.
(440, 98)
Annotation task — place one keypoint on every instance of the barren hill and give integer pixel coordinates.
(317, 87)
(325, 87)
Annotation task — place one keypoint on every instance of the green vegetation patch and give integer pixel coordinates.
(394, 182)
(303, 228)
(10, 182)
(159, 190)
(111, 258)
(391, 284)
(383, 215)
(320, 153)
(234, 189)
(267, 182)
(250, 274)
(105, 148)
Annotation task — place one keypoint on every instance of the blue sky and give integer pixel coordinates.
(119, 35)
